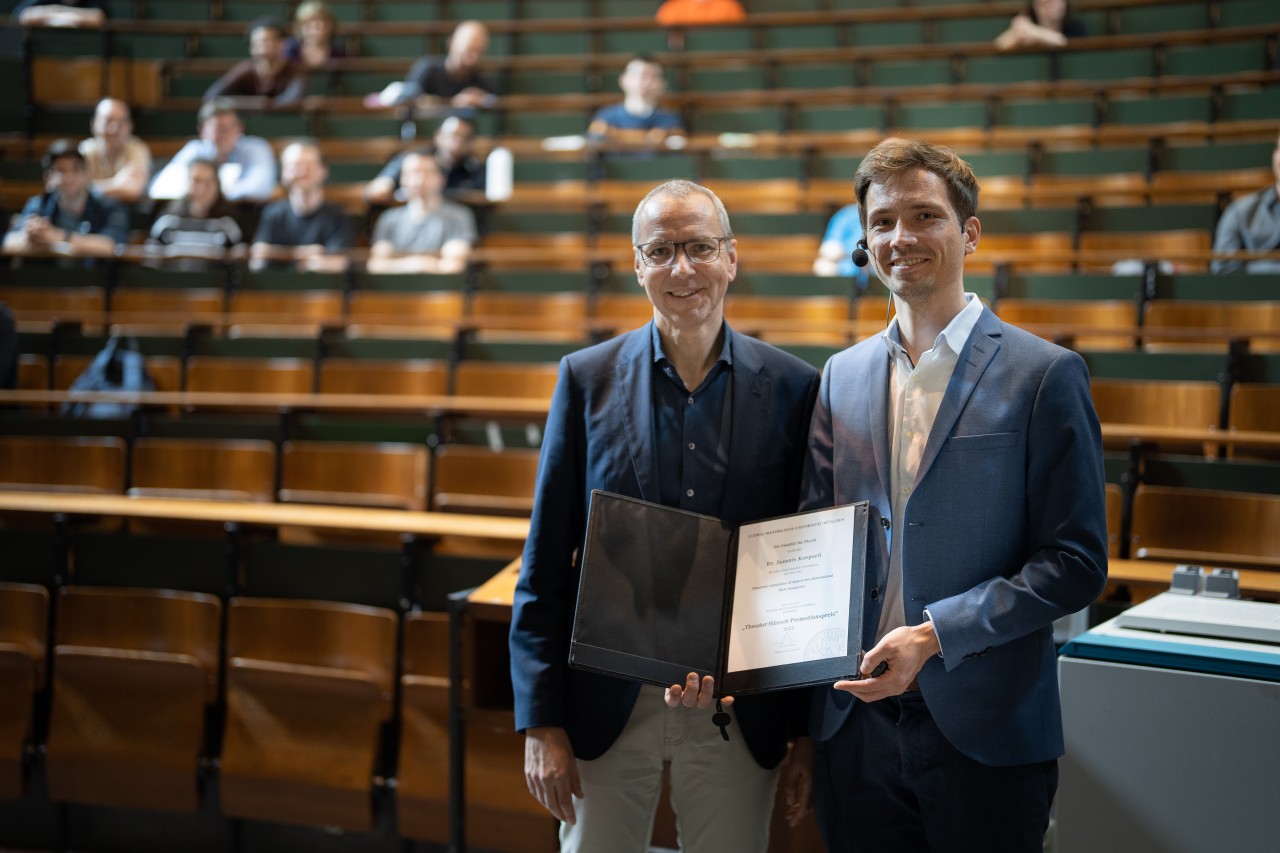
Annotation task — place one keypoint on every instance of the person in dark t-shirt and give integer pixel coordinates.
(303, 228)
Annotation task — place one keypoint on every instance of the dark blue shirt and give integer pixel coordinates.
(100, 216)
(692, 431)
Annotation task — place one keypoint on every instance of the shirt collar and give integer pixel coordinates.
(954, 335)
(726, 349)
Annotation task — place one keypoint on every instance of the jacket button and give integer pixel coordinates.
(875, 593)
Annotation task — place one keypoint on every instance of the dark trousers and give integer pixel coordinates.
(889, 781)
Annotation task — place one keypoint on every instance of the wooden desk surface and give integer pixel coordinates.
(492, 599)
(271, 514)
(1158, 434)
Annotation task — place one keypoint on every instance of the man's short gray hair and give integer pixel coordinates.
(681, 189)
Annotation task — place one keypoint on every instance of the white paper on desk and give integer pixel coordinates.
(791, 592)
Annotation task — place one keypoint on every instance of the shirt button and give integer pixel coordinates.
(690, 401)
(688, 493)
(910, 433)
(692, 446)
(906, 490)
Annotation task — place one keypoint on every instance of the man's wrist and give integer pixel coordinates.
(934, 639)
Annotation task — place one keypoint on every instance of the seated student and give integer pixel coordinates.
(454, 146)
(65, 13)
(246, 164)
(835, 254)
(312, 43)
(682, 12)
(200, 223)
(1045, 23)
(638, 118)
(303, 228)
(454, 78)
(1252, 224)
(267, 73)
(119, 163)
(68, 216)
(429, 233)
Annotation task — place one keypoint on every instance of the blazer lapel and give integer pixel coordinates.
(635, 389)
(751, 391)
(978, 351)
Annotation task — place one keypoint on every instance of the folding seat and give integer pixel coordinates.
(1206, 527)
(24, 621)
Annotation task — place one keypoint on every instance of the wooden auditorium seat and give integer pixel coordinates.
(1254, 407)
(237, 375)
(528, 310)
(134, 671)
(165, 370)
(422, 778)
(309, 688)
(1085, 317)
(437, 310)
(1206, 527)
(46, 305)
(290, 311)
(1227, 320)
(417, 376)
(1115, 508)
(1195, 404)
(208, 469)
(385, 475)
(24, 627)
(91, 464)
(476, 479)
(535, 380)
(176, 308)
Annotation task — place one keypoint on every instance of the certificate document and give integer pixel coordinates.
(791, 593)
(771, 605)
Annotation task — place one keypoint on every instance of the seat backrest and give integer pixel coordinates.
(63, 464)
(1217, 527)
(211, 469)
(426, 644)
(1192, 404)
(1115, 508)
(55, 303)
(815, 308)
(249, 375)
(147, 305)
(553, 310)
(535, 380)
(476, 479)
(1086, 315)
(1255, 407)
(432, 309)
(418, 376)
(285, 307)
(361, 474)
(164, 370)
(143, 620)
(329, 634)
(24, 621)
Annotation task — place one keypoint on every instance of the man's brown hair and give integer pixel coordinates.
(895, 156)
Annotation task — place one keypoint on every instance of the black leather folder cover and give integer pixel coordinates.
(655, 599)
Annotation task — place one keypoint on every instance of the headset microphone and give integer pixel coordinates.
(860, 256)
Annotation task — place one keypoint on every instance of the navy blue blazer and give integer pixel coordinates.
(1006, 528)
(600, 435)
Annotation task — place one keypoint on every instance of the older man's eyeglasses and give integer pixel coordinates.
(660, 253)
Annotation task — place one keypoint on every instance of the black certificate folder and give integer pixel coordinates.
(770, 605)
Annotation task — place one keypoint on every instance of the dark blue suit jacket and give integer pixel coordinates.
(600, 435)
(1006, 528)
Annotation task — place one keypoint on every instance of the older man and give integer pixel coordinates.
(303, 228)
(119, 163)
(687, 413)
(978, 446)
(67, 214)
(1252, 224)
(246, 164)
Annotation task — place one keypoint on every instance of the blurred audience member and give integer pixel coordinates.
(68, 216)
(835, 254)
(246, 164)
(303, 228)
(454, 78)
(202, 222)
(1252, 224)
(454, 153)
(1045, 23)
(675, 13)
(119, 163)
(638, 118)
(68, 13)
(313, 44)
(267, 73)
(429, 233)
